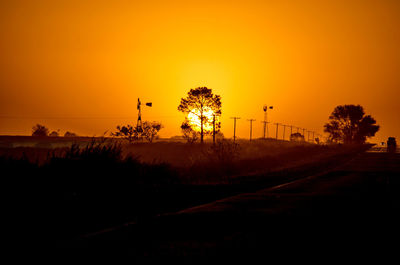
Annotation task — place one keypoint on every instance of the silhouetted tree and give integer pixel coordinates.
(40, 130)
(150, 130)
(189, 134)
(349, 124)
(199, 101)
(54, 134)
(70, 134)
(128, 132)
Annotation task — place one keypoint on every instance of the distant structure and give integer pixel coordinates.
(234, 127)
(139, 124)
(391, 145)
(251, 127)
(297, 137)
(265, 109)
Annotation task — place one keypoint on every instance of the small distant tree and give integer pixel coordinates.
(54, 134)
(127, 132)
(150, 130)
(70, 134)
(40, 130)
(349, 124)
(198, 102)
(189, 134)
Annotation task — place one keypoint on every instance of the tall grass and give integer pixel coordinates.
(95, 151)
(84, 188)
(227, 160)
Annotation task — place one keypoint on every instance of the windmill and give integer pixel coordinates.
(265, 108)
(139, 125)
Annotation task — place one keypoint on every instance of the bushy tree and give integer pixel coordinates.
(349, 124)
(40, 130)
(188, 133)
(150, 130)
(199, 101)
(127, 132)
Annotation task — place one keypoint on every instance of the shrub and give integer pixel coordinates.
(70, 134)
(40, 130)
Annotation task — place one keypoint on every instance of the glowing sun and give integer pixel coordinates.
(195, 120)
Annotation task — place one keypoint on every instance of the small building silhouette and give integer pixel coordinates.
(297, 137)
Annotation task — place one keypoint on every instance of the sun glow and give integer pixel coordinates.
(195, 120)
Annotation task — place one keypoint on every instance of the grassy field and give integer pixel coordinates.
(66, 192)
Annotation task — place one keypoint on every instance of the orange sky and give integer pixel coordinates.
(80, 65)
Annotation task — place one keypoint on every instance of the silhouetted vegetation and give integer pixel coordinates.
(349, 124)
(54, 134)
(82, 189)
(149, 131)
(189, 134)
(199, 101)
(40, 130)
(127, 132)
(70, 134)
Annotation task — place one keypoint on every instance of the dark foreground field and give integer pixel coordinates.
(347, 215)
(98, 201)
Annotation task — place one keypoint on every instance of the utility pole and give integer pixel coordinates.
(291, 130)
(284, 129)
(277, 124)
(265, 126)
(313, 139)
(234, 127)
(251, 127)
(213, 129)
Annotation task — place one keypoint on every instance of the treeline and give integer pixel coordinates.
(40, 130)
(148, 130)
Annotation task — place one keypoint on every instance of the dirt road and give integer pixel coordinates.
(350, 212)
